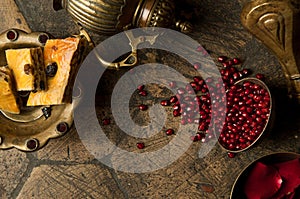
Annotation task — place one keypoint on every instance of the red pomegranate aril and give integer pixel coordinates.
(260, 76)
(231, 155)
(190, 120)
(165, 103)
(106, 121)
(143, 107)
(169, 131)
(227, 64)
(140, 145)
(202, 127)
(195, 138)
(172, 84)
(141, 87)
(176, 113)
(181, 91)
(197, 66)
(222, 59)
(176, 107)
(173, 99)
(143, 93)
(197, 79)
(236, 61)
(196, 121)
(236, 76)
(223, 71)
(193, 84)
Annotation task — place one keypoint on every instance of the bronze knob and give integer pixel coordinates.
(112, 16)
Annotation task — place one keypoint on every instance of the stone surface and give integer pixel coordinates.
(65, 168)
(70, 181)
(15, 168)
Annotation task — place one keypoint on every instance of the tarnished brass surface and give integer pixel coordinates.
(30, 125)
(277, 24)
(110, 17)
(237, 188)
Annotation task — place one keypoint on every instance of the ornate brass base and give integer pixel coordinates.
(277, 24)
(110, 17)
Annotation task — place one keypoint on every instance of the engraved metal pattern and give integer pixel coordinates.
(113, 16)
(97, 15)
(276, 24)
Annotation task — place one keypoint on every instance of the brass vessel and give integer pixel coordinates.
(113, 16)
(277, 24)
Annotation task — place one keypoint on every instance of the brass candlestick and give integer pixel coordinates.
(277, 24)
(112, 16)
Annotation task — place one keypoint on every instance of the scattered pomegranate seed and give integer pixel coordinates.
(165, 103)
(222, 59)
(106, 121)
(143, 107)
(226, 64)
(260, 76)
(173, 99)
(169, 131)
(140, 145)
(141, 87)
(143, 93)
(176, 113)
(181, 91)
(236, 61)
(231, 155)
(194, 138)
(172, 84)
(197, 66)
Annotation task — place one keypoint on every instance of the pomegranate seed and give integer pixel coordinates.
(141, 87)
(200, 49)
(172, 84)
(195, 138)
(106, 121)
(176, 113)
(165, 102)
(227, 64)
(143, 107)
(231, 155)
(236, 61)
(246, 71)
(173, 99)
(169, 131)
(140, 145)
(197, 66)
(222, 59)
(260, 76)
(193, 84)
(181, 91)
(176, 107)
(143, 93)
(197, 79)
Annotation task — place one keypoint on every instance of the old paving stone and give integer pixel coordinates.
(13, 167)
(73, 181)
(68, 148)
